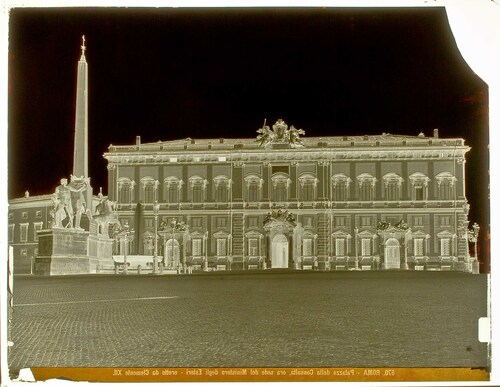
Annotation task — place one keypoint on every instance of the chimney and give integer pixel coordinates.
(436, 133)
(137, 140)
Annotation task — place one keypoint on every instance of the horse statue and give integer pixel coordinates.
(105, 216)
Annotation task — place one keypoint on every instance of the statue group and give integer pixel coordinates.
(69, 203)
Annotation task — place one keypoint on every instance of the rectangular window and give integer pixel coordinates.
(307, 221)
(125, 194)
(281, 192)
(149, 222)
(307, 247)
(253, 247)
(366, 191)
(445, 221)
(37, 227)
(221, 193)
(340, 191)
(24, 232)
(446, 191)
(11, 232)
(445, 247)
(173, 194)
(24, 252)
(419, 192)
(24, 215)
(340, 221)
(308, 192)
(197, 251)
(392, 191)
(149, 193)
(253, 221)
(221, 222)
(197, 222)
(418, 220)
(253, 192)
(366, 246)
(221, 247)
(366, 221)
(418, 247)
(11, 216)
(340, 247)
(197, 193)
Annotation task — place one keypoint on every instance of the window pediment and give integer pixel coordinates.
(222, 180)
(366, 178)
(197, 181)
(221, 235)
(341, 234)
(253, 234)
(445, 234)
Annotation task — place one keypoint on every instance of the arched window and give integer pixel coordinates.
(419, 184)
(281, 183)
(307, 182)
(125, 190)
(197, 186)
(340, 187)
(366, 183)
(222, 185)
(392, 186)
(446, 186)
(173, 186)
(254, 187)
(149, 187)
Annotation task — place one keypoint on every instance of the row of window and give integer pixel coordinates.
(307, 221)
(24, 215)
(367, 246)
(280, 184)
(23, 231)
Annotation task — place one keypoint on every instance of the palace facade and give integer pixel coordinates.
(285, 200)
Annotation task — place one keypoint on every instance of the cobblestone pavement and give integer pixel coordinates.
(279, 319)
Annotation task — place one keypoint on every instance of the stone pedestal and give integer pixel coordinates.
(64, 251)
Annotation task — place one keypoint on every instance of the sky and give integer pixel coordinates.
(171, 73)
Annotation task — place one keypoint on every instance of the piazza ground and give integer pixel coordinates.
(280, 319)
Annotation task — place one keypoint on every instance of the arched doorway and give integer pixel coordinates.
(279, 257)
(392, 254)
(172, 253)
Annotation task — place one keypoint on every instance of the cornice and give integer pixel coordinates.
(292, 155)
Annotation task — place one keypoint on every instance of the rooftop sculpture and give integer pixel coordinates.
(280, 134)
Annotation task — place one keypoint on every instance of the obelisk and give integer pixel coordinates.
(80, 152)
(80, 159)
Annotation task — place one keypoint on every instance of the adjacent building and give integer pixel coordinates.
(27, 215)
(284, 200)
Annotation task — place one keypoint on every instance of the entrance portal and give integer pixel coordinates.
(172, 254)
(279, 252)
(392, 254)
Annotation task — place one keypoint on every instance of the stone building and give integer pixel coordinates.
(285, 200)
(27, 216)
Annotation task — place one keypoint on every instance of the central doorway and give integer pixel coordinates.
(172, 254)
(392, 255)
(279, 252)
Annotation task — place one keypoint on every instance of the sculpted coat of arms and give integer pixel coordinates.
(280, 134)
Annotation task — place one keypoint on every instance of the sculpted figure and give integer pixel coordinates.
(266, 135)
(58, 213)
(68, 199)
(105, 216)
